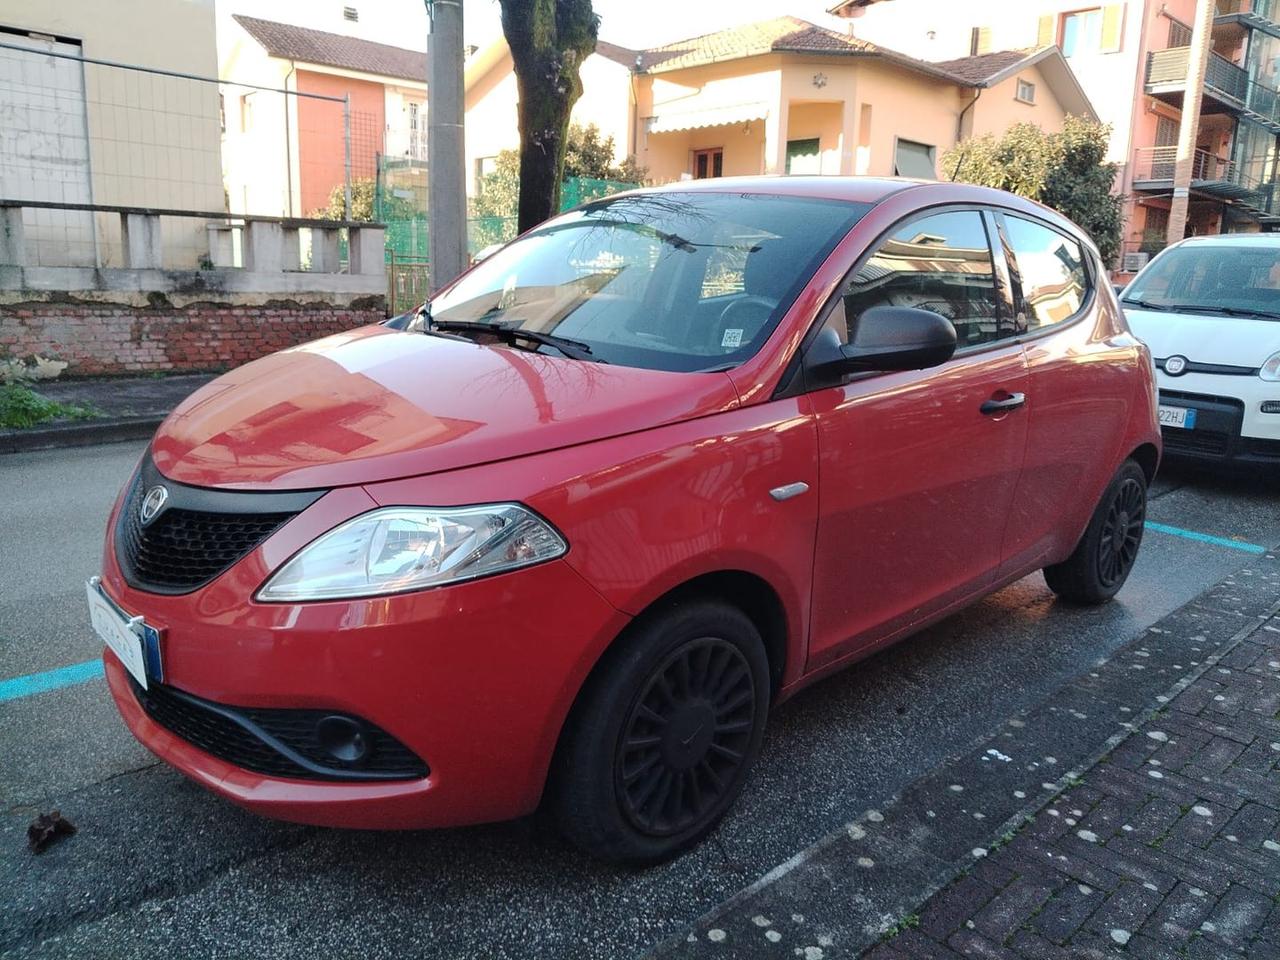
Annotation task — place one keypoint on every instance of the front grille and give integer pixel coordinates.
(1203, 442)
(184, 549)
(199, 533)
(276, 743)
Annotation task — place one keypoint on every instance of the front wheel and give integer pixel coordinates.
(1103, 559)
(667, 729)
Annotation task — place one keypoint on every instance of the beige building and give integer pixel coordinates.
(89, 133)
(786, 96)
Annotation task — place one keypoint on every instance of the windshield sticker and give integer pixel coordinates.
(732, 337)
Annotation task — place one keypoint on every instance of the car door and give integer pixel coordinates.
(918, 468)
(1078, 405)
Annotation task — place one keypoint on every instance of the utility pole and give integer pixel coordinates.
(1188, 131)
(446, 180)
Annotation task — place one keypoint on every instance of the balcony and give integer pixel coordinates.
(1256, 14)
(1227, 88)
(1211, 176)
(1153, 172)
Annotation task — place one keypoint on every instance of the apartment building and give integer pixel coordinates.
(1188, 86)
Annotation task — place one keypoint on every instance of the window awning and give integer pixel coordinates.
(708, 116)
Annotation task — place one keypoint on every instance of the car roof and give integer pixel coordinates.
(856, 189)
(1233, 240)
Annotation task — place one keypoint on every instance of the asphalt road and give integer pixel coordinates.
(159, 865)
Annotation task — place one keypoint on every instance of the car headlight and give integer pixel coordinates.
(395, 549)
(1271, 369)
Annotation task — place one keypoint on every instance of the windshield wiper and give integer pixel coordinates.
(573, 349)
(1238, 312)
(1148, 305)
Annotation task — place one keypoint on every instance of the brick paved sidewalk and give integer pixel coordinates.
(1169, 846)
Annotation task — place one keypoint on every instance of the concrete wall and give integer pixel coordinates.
(149, 140)
(942, 31)
(999, 107)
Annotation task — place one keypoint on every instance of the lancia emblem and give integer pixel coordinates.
(1175, 366)
(152, 504)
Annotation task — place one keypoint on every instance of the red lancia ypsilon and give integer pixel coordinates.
(562, 537)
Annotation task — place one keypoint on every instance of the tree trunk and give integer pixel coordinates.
(549, 39)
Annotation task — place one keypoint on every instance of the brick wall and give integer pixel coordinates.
(98, 338)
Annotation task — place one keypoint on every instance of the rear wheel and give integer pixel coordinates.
(662, 742)
(1103, 559)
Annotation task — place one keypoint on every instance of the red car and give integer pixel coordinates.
(640, 475)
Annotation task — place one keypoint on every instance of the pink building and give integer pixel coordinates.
(1135, 60)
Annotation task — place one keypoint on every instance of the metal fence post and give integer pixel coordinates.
(346, 161)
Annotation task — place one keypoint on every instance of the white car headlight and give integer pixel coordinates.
(1271, 369)
(395, 549)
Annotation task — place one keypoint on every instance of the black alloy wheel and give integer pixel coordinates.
(1122, 532)
(1105, 555)
(664, 733)
(686, 737)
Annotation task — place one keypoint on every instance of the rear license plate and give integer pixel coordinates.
(129, 638)
(1181, 417)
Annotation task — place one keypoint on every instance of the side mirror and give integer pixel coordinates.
(886, 338)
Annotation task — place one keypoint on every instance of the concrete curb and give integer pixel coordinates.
(80, 433)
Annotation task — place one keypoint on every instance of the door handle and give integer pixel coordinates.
(1011, 402)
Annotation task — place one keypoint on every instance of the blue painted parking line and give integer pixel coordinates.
(1206, 538)
(19, 687)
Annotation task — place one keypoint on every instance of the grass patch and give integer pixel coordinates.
(21, 408)
(909, 922)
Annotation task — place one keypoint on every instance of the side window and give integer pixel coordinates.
(1055, 283)
(941, 263)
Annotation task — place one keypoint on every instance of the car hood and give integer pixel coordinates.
(377, 404)
(1237, 341)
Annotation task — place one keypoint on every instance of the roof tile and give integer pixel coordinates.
(335, 50)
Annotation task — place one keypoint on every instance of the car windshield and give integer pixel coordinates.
(1224, 280)
(668, 280)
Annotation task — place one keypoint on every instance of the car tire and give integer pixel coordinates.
(662, 738)
(1103, 559)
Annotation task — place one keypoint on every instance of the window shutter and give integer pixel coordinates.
(1112, 27)
(1047, 35)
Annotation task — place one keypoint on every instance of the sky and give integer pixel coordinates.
(649, 23)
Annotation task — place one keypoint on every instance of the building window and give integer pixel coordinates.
(916, 160)
(1026, 92)
(1179, 34)
(417, 132)
(1082, 32)
(350, 13)
(708, 163)
(804, 156)
(246, 113)
(484, 166)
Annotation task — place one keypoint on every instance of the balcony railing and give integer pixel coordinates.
(1169, 68)
(1167, 73)
(1257, 10)
(1158, 163)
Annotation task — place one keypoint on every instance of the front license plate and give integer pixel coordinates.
(126, 636)
(1181, 417)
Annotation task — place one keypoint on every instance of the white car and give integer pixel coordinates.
(1209, 309)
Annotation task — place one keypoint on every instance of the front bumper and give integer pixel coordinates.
(1230, 424)
(476, 679)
